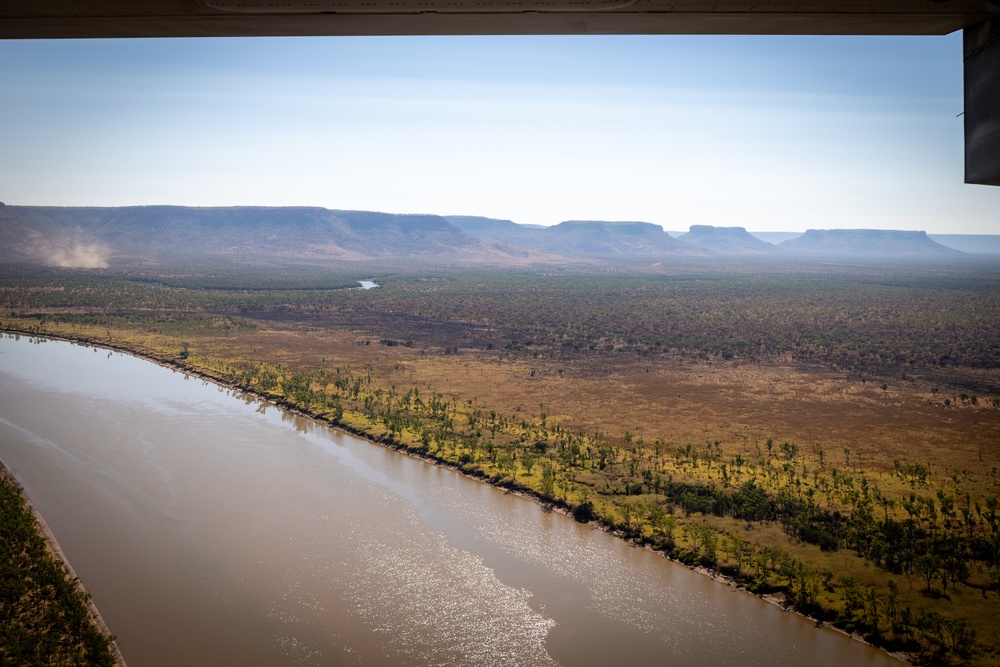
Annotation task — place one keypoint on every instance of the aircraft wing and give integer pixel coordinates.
(31, 19)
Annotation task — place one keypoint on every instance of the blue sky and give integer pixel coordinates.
(769, 133)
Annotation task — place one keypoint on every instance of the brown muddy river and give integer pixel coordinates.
(213, 529)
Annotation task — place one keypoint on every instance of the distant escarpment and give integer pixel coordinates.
(867, 243)
(581, 237)
(99, 237)
(726, 240)
(96, 236)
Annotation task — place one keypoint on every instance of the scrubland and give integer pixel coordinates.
(828, 434)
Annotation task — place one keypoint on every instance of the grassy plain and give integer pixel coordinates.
(829, 433)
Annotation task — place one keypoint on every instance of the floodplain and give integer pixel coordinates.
(824, 433)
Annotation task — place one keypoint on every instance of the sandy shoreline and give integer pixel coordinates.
(776, 599)
(56, 550)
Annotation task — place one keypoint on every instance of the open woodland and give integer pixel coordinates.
(825, 432)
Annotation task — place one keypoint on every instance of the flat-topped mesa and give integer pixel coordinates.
(726, 240)
(100, 237)
(580, 237)
(600, 237)
(867, 243)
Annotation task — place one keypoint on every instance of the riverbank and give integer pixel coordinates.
(507, 483)
(74, 643)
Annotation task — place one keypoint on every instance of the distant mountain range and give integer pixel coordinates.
(97, 237)
(154, 234)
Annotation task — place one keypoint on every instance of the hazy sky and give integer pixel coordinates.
(767, 133)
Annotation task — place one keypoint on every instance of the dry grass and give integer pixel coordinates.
(676, 402)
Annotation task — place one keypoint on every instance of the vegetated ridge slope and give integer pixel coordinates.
(95, 236)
